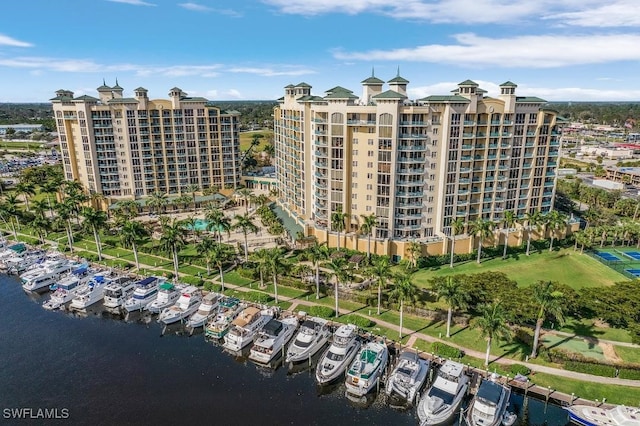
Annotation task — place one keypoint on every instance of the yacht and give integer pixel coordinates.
(228, 310)
(19, 264)
(79, 272)
(313, 335)
(208, 308)
(441, 402)
(168, 293)
(92, 291)
(408, 376)
(145, 292)
(336, 359)
(65, 289)
(489, 405)
(596, 416)
(245, 327)
(186, 305)
(366, 369)
(48, 274)
(12, 250)
(116, 292)
(272, 339)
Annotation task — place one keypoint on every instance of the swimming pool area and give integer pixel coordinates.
(200, 225)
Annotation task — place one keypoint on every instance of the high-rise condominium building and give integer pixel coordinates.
(131, 147)
(416, 165)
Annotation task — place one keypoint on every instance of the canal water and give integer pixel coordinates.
(101, 370)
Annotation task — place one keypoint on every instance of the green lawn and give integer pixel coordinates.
(587, 327)
(628, 354)
(565, 266)
(246, 137)
(575, 344)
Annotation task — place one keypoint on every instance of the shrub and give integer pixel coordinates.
(358, 320)
(248, 272)
(519, 369)
(168, 275)
(629, 373)
(257, 297)
(590, 368)
(210, 286)
(321, 311)
(192, 280)
(524, 335)
(446, 351)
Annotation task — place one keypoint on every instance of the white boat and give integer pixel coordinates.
(12, 250)
(81, 271)
(489, 405)
(50, 273)
(186, 305)
(314, 333)
(228, 310)
(272, 339)
(443, 399)
(168, 293)
(116, 292)
(245, 326)
(598, 416)
(145, 292)
(338, 356)
(65, 289)
(366, 368)
(408, 376)
(19, 264)
(208, 308)
(91, 292)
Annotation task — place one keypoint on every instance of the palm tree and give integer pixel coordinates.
(509, 222)
(369, 222)
(130, 208)
(274, 263)
(172, 240)
(133, 233)
(221, 254)
(183, 200)
(381, 271)
(555, 221)
(492, 324)
(12, 203)
(204, 247)
(246, 195)
(6, 214)
(94, 220)
(338, 222)
(246, 225)
(414, 249)
(96, 200)
(217, 221)
(533, 220)
(260, 257)
(339, 272)
(39, 208)
(403, 290)
(50, 187)
(452, 291)
(192, 188)
(481, 228)
(550, 303)
(64, 214)
(41, 226)
(157, 200)
(457, 226)
(27, 190)
(316, 253)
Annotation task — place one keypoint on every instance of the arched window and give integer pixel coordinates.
(386, 120)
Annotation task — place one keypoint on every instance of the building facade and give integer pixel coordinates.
(126, 148)
(416, 165)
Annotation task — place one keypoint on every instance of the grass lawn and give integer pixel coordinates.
(565, 266)
(628, 354)
(574, 344)
(246, 137)
(587, 327)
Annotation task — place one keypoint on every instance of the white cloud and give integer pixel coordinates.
(10, 41)
(133, 2)
(232, 94)
(615, 13)
(535, 51)
(195, 7)
(269, 72)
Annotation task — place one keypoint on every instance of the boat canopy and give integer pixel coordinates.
(409, 355)
(229, 302)
(166, 286)
(81, 269)
(273, 327)
(310, 324)
(146, 281)
(246, 316)
(489, 392)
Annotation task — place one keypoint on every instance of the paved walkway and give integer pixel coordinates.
(597, 339)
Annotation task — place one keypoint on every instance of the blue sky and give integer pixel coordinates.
(250, 49)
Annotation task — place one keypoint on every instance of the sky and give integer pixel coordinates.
(559, 50)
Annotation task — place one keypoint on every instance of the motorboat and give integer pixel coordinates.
(245, 326)
(11, 251)
(80, 271)
(65, 289)
(145, 292)
(408, 376)
(366, 368)
(313, 335)
(228, 310)
(272, 339)
(19, 264)
(168, 293)
(335, 360)
(597, 416)
(48, 274)
(92, 291)
(186, 305)
(207, 308)
(489, 405)
(441, 402)
(116, 292)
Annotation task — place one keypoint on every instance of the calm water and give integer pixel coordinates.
(104, 370)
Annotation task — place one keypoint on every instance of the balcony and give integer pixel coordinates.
(468, 135)
(321, 154)
(416, 171)
(469, 123)
(465, 158)
(466, 147)
(411, 147)
(461, 213)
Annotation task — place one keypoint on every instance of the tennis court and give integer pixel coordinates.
(607, 256)
(634, 272)
(635, 255)
(625, 260)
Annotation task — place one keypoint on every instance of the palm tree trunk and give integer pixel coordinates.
(453, 247)
(221, 277)
(337, 311)
(479, 249)
(246, 248)
(208, 268)
(69, 238)
(317, 280)
(551, 244)
(536, 337)
(379, 296)
(49, 202)
(135, 254)
(369, 246)
(338, 240)
(97, 238)
(449, 315)
(175, 261)
(486, 357)
(275, 286)
(13, 228)
(528, 241)
(401, 312)
(506, 244)
(26, 202)
(261, 278)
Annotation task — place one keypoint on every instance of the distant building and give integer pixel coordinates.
(625, 175)
(613, 153)
(26, 128)
(132, 147)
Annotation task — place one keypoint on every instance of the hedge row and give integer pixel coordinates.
(358, 320)
(321, 311)
(445, 351)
